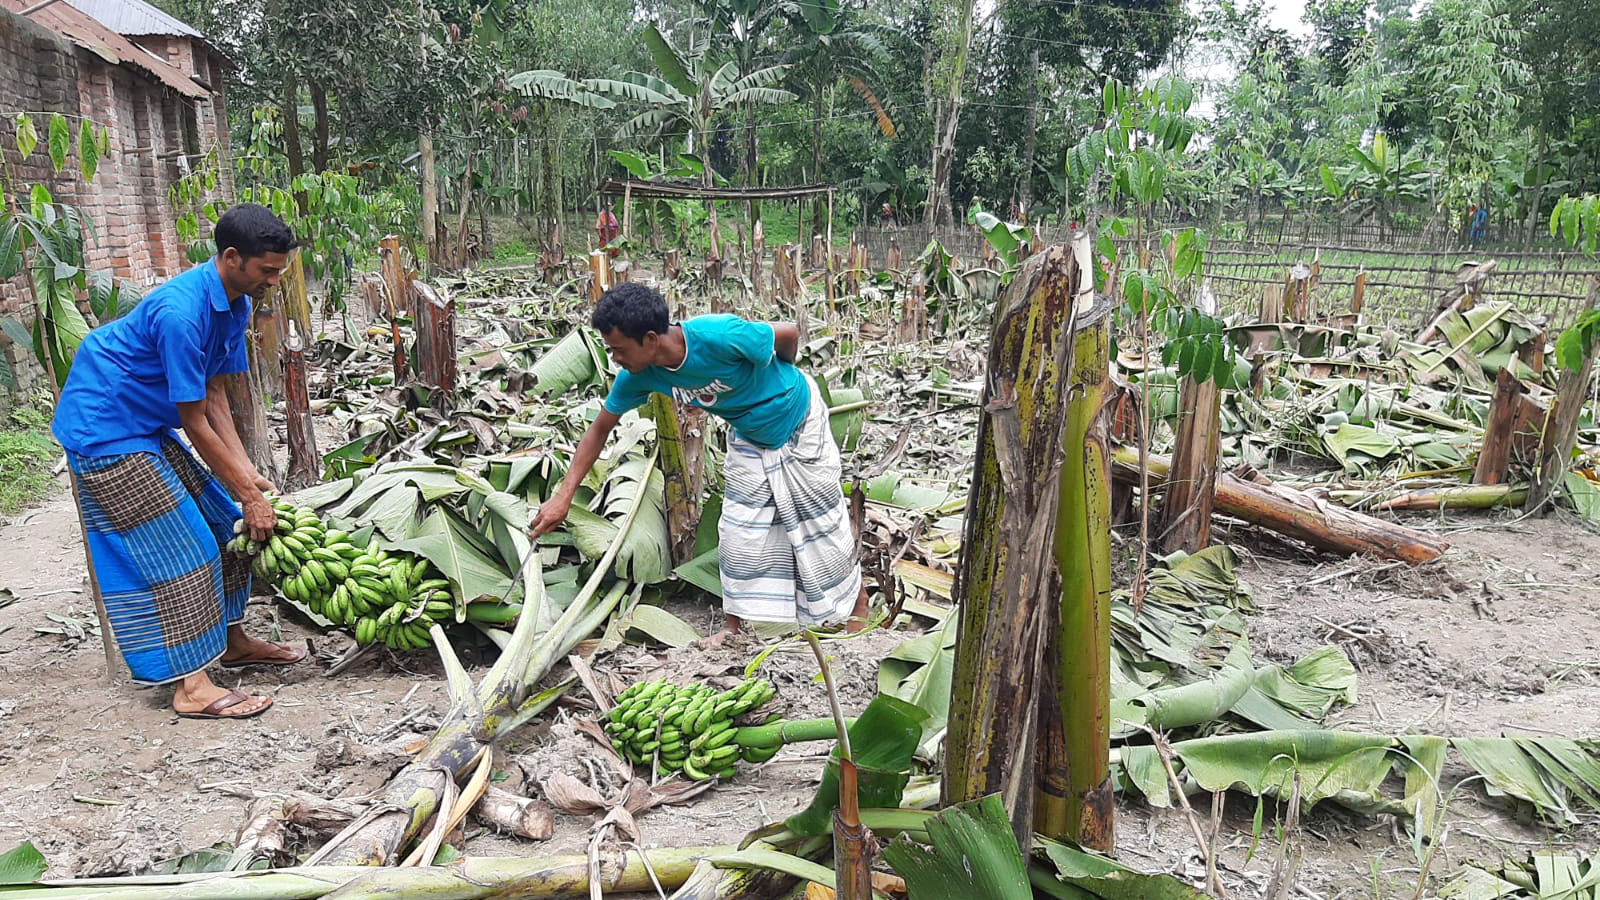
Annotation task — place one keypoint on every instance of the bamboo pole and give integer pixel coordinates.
(1037, 465)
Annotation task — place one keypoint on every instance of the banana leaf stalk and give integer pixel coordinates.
(500, 703)
(852, 855)
(472, 878)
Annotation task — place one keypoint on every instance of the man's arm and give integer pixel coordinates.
(786, 340)
(554, 511)
(219, 413)
(232, 466)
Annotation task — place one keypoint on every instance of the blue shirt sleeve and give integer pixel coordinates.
(752, 341)
(628, 391)
(182, 350)
(238, 361)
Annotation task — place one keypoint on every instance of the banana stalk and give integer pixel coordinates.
(692, 729)
(473, 878)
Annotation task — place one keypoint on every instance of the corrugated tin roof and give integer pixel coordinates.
(88, 33)
(134, 17)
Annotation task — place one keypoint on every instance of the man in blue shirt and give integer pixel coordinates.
(155, 518)
(786, 549)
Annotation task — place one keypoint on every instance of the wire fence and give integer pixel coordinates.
(1401, 284)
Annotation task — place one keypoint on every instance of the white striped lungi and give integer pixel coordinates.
(787, 550)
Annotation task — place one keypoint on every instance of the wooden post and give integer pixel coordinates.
(1030, 699)
(627, 210)
(1360, 292)
(303, 459)
(1495, 455)
(1561, 423)
(828, 260)
(852, 271)
(892, 260)
(672, 264)
(758, 249)
(597, 274)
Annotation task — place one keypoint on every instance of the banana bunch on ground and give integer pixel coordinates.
(381, 596)
(691, 729)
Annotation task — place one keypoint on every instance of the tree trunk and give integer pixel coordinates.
(944, 147)
(680, 434)
(463, 213)
(246, 399)
(1185, 522)
(1498, 427)
(304, 468)
(548, 210)
(1034, 590)
(818, 204)
(291, 137)
(1030, 133)
(430, 198)
(319, 146)
(1290, 512)
(1561, 424)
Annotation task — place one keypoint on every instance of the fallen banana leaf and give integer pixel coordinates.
(971, 852)
(1091, 875)
(22, 864)
(1548, 774)
(1545, 875)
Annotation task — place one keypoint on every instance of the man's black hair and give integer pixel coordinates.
(633, 309)
(253, 230)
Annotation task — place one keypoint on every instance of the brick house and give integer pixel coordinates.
(153, 82)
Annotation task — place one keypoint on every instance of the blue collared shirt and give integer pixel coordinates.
(130, 374)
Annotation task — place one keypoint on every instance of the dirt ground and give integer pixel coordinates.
(1499, 637)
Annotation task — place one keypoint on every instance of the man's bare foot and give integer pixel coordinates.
(197, 697)
(244, 650)
(855, 625)
(715, 641)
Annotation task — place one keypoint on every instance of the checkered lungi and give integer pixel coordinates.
(787, 551)
(155, 524)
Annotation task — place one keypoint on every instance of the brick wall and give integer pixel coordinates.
(42, 72)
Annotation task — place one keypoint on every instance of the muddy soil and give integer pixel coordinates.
(1497, 638)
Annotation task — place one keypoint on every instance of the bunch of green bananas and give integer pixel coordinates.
(688, 729)
(388, 597)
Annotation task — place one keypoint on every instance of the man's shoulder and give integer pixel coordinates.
(188, 286)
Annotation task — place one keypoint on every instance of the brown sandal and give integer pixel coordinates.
(218, 707)
(243, 661)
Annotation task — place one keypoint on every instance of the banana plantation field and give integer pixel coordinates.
(1370, 668)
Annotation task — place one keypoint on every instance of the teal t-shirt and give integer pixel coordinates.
(732, 370)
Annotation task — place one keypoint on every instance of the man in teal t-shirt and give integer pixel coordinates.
(787, 553)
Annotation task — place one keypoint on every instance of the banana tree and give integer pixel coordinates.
(690, 93)
(550, 88)
(1379, 179)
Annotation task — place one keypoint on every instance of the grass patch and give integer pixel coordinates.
(26, 455)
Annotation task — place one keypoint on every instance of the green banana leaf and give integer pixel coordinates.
(22, 864)
(646, 555)
(574, 360)
(459, 551)
(1097, 876)
(703, 572)
(971, 852)
(884, 740)
(1551, 775)
(1543, 875)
